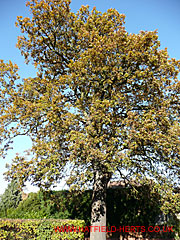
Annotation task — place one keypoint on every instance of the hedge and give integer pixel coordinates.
(36, 229)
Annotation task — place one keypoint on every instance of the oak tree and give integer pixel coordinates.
(104, 103)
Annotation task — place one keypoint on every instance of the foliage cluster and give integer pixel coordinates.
(55, 204)
(38, 229)
(11, 197)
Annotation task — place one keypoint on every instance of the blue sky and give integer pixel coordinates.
(149, 15)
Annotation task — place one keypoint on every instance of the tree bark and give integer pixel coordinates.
(98, 211)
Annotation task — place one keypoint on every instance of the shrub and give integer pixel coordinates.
(38, 229)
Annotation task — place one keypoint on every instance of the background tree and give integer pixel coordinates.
(105, 103)
(11, 197)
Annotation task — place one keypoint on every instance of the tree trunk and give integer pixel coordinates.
(98, 211)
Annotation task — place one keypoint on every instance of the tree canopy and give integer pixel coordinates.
(104, 103)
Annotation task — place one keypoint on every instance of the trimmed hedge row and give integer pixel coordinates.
(36, 229)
